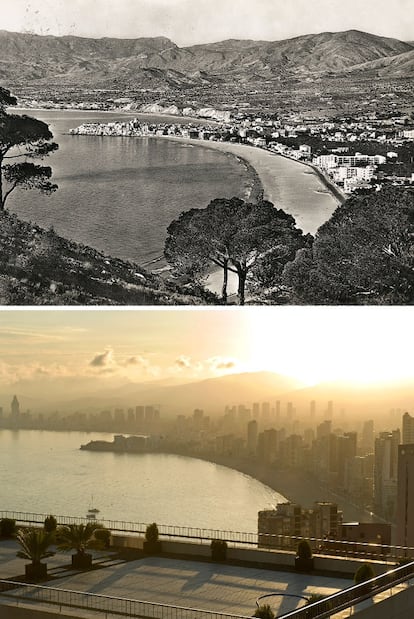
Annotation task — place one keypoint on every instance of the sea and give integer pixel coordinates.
(46, 473)
(119, 194)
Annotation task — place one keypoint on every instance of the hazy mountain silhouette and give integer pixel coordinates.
(212, 395)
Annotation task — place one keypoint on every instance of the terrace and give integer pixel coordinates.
(183, 583)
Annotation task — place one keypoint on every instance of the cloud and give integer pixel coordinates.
(12, 373)
(218, 364)
(103, 360)
(183, 362)
(136, 360)
(137, 365)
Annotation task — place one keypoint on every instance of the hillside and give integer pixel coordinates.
(158, 62)
(38, 267)
(390, 67)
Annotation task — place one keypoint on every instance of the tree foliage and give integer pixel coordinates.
(236, 236)
(264, 612)
(304, 550)
(7, 527)
(22, 139)
(364, 572)
(151, 533)
(34, 544)
(50, 524)
(363, 255)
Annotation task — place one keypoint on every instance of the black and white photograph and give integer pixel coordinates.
(206, 152)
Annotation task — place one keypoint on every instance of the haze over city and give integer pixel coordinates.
(188, 22)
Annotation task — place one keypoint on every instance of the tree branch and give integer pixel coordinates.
(6, 195)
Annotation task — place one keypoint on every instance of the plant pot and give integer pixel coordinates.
(218, 554)
(82, 561)
(152, 548)
(303, 565)
(35, 571)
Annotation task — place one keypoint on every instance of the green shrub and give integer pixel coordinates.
(363, 573)
(304, 550)
(151, 534)
(50, 524)
(264, 612)
(315, 597)
(7, 527)
(104, 536)
(218, 549)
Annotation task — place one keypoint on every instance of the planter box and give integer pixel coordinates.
(82, 561)
(303, 565)
(37, 571)
(218, 550)
(152, 548)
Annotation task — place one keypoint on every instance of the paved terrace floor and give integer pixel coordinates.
(207, 586)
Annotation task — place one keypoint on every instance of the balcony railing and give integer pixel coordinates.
(373, 551)
(19, 593)
(352, 596)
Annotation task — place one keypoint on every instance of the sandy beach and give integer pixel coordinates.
(297, 188)
(289, 184)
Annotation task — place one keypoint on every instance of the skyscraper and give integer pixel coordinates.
(405, 496)
(407, 429)
(385, 472)
(15, 408)
(252, 431)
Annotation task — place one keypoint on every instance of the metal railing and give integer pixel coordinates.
(268, 542)
(17, 592)
(354, 595)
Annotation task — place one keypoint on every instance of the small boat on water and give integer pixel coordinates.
(91, 515)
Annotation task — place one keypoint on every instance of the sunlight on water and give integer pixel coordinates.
(46, 472)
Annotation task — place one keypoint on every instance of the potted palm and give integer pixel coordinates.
(79, 537)
(304, 559)
(152, 545)
(34, 547)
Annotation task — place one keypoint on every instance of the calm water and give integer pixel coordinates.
(120, 194)
(45, 472)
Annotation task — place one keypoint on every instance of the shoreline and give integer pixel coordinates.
(292, 485)
(258, 164)
(264, 166)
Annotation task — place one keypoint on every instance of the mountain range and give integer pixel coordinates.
(212, 395)
(159, 62)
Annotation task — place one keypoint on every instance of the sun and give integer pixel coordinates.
(317, 345)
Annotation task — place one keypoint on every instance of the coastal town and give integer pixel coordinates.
(349, 154)
(350, 459)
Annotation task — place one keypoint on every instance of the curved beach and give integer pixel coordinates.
(285, 182)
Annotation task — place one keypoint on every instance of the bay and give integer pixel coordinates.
(46, 472)
(119, 195)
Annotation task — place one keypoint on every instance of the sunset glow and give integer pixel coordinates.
(310, 344)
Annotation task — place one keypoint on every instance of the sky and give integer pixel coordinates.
(312, 344)
(188, 22)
